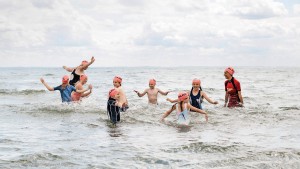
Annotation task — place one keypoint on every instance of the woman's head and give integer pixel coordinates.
(228, 72)
(117, 81)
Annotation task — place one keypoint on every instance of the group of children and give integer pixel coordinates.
(72, 90)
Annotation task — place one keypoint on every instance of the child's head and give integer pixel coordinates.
(114, 93)
(84, 62)
(152, 83)
(228, 72)
(117, 81)
(196, 83)
(83, 79)
(183, 97)
(65, 80)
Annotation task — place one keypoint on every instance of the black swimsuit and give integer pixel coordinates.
(113, 111)
(74, 78)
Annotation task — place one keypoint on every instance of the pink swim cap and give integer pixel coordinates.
(230, 70)
(152, 81)
(84, 62)
(197, 81)
(113, 92)
(83, 77)
(182, 96)
(117, 79)
(65, 79)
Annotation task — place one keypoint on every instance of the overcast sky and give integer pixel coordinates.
(150, 32)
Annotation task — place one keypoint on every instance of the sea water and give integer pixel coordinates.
(38, 131)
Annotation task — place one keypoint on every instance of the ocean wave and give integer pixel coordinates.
(204, 147)
(36, 160)
(22, 92)
(289, 108)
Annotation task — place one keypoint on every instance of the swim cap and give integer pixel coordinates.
(84, 62)
(197, 81)
(182, 96)
(83, 77)
(152, 81)
(113, 92)
(230, 70)
(117, 79)
(65, 79)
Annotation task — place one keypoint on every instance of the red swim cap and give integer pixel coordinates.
(117, 79)
(65, 79)
(152, 81)
(113, 92)
(83, 77)
(197, 81)
(230, 70)
(182, 96)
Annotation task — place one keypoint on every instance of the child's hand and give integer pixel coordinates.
(168, 99)
(92, 59)
(206, 118)
(136, 91)
(90, 87)
(42, 80)
(215, 102)
(65, 67)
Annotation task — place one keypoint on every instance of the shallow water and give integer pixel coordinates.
(38, 131)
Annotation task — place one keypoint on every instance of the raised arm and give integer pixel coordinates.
(208, 99)
(46, 85)
(167, 113)
(69, 69)
(163, 93)
(141, 94)
(198, 110)
(87, 65)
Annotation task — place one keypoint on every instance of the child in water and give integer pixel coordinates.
(122, 102)
(65, 89)
(79, 93)
(113, 108)
(183, 106)
(79, 70)
(233, 91)
(152, 92)
(196, 95)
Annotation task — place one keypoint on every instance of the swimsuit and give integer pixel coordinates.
(74, 78)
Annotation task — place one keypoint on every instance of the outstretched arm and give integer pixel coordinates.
(166, 114)
(141, 94)
(199, 111)
(83, 90)
(163, 93)
(172, 101)
(46, 85)
(87, 65)
(69, 69)
(208, 99)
